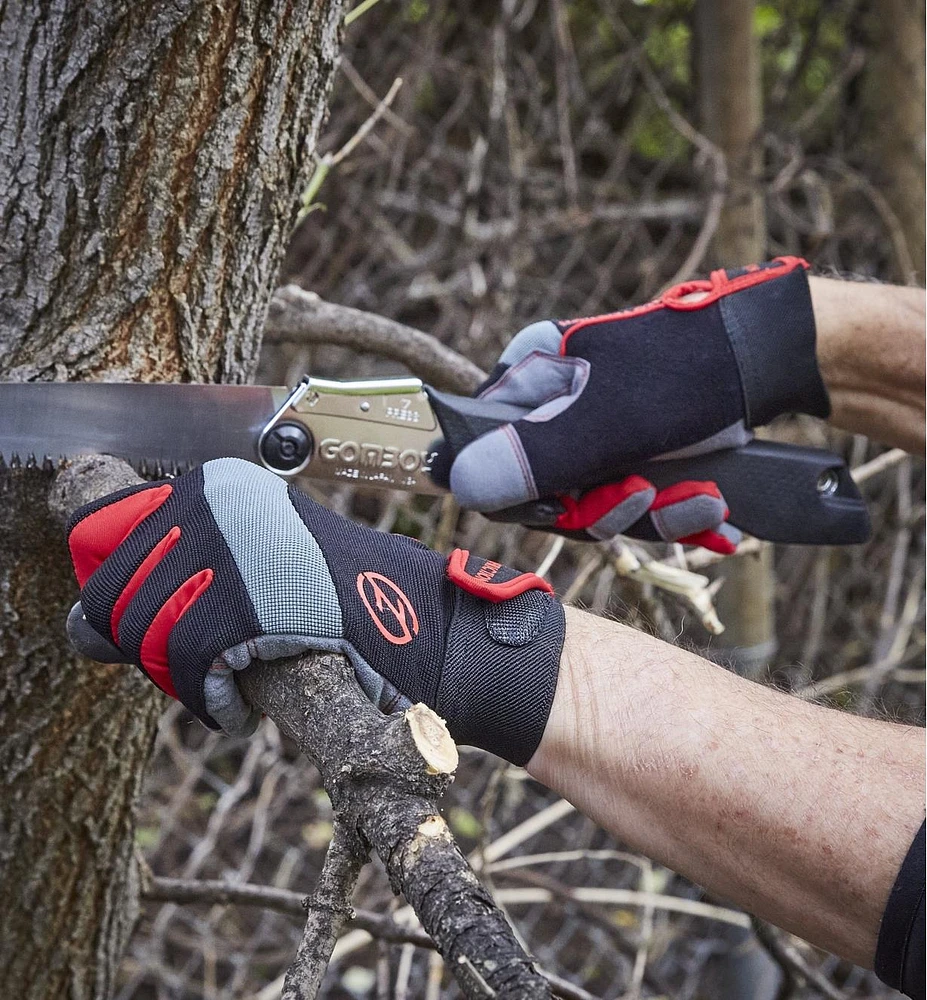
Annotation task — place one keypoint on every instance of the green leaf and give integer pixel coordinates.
(464, 823)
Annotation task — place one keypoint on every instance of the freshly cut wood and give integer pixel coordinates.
(433, 740)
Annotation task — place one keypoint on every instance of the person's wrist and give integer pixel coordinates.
(832, 341)
(572, 722)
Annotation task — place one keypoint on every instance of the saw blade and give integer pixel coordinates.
(158, 428)
(378, 433)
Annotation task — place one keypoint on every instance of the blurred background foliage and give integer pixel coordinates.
(546, 158)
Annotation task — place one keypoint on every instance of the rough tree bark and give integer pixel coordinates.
(893, 102)
(730, 106)
(151, 157)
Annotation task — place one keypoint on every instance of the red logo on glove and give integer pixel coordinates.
(382, 598)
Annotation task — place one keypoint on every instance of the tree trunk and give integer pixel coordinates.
(730, 96)
(731, 113)
(151, 157)
(893, 99)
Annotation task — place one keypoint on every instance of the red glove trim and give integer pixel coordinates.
(720, 284)
(153, 652)
(97, 535)
(590, 507)
(139, 577)
(715, 288)
(479, 584)
(711, 540)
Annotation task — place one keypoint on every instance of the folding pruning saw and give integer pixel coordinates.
(383, 433)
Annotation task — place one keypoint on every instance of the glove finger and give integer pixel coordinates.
(694, 513)
(686, 508)
(540, 379)
(543, 336)
(233, 715)
(493, 472)
(97, 529)
(496, 470)
(221, 696)
(607, 510)
(724, 539)
(87, 641)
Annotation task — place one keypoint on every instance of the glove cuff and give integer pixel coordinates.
(500, 675)
(770, 323)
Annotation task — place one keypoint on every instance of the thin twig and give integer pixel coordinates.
(325, 163)
(792, 961)
(327, 909)
(879, 464)
(696, 590)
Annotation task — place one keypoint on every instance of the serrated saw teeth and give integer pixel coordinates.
(46, 463)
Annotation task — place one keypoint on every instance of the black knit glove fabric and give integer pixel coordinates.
(192, 578)
(690, 373)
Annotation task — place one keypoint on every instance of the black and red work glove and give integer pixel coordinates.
(192, 578)
(688, 374)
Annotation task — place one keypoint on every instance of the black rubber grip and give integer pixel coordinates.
(777, 492)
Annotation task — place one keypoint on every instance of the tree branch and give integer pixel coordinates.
(381, 926)
(791, 961)
(327, 910)
(297, 316)
(292, 904)
(384, 775)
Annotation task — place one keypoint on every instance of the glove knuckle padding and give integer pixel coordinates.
(690, 516)
(622, 515)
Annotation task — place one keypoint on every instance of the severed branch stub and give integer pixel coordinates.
(384, 775)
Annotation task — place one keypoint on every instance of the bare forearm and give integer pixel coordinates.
(871, 352)
(798, 813)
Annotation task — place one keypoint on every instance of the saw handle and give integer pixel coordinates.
(777, 492)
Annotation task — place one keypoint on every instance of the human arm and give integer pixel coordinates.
(871, 350)
(192, 578)
(798, 813)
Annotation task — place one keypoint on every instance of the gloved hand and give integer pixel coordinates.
(687, 374)
(192, 578)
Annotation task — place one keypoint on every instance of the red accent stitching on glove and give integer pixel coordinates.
(153, 652)
(494, 592)
(715, 288)
(589, 508)
(139, 577)
(720, 285)
(97, 535)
